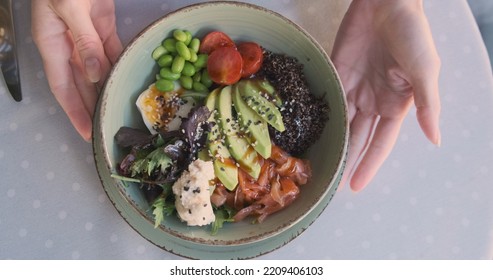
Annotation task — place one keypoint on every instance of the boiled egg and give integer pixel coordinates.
(163, 111)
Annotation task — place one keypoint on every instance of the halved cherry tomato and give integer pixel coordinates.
(252, 58)
(224, 66)
(215, 40)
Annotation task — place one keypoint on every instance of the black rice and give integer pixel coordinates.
(304, 114)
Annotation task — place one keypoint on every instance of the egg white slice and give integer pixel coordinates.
(163, 111)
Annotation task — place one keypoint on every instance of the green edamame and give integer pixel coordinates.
(158, 52)
(201, 61)
(186, 82)
(199, 87)
(188, 69)
(167, 74)
(195, 45)
(179, 35)
(178, 64)
(165, 60)
(182, 50)
(169, 45)
(165, 85)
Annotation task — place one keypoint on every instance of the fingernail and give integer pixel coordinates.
(93, 69)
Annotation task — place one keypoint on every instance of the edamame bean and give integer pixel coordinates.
(195, 44)
(188, 69)
(166, 73)
(193, 56)
(179, 35)
(186, 82)
(178, 64)
(205, 79)
(182, 50)
(197, 86)
(169, 45)
(189, 37)
(158, 52)
(165, 60)
(201, 61)
(197, 76)
(165, 85)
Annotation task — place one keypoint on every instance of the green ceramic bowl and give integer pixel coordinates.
(135, 70)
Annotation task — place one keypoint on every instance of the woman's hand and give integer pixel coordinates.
(386, 58)
(78, 42)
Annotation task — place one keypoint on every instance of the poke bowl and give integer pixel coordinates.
(237, 220)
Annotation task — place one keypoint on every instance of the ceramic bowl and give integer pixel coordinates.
(135, 70)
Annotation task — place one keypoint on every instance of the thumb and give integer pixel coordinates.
(77, 16)
(427, 101)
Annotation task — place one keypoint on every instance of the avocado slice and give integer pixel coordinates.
(224, 166)
(255, 127)
(264, 108)
(268, 90)
(238, 145)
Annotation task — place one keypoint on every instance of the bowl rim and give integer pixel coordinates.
(331, 185)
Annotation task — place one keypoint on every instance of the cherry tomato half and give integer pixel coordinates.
(252, 56)
(224, 66)
(215, 40)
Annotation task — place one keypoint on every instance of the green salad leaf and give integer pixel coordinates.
(223, 215)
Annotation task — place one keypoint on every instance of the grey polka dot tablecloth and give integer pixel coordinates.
(425, 203)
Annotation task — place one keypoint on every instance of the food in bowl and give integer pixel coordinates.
(225, 120)
(135, 70)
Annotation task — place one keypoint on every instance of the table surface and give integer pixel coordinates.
(425, 203)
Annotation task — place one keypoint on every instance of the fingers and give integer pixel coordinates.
(77, 16)
(361, 130)
(382, 142)
(113, 47)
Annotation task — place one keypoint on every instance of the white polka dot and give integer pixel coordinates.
(465, 222)
(449, 184)
(28, 40)
(429, 239)
(113, 238)
(164, 7)
(141, 249)
(128, 21)
(300, 249)
(26, 100)
(52, 110)
(422, 173)
(36, 204)
(62, 215)
(439, 211)
(49, 243)
(338, 232)
(466, 133)
(349, 205)
(25, 164)
(75, 255)
(403, 228)
(376, 217)
(63, 148)
(392, 256)
(365, 244)
(456, 250)
(23, 232)
(386, 190)
(75, 187)
(38, 137)
(413, 201)
(50, 175)
(457, 158)
(10, 193)
(484, 170)
(40, 75)
(475, 196)
(13, 126)
(88, 226)
(102, 198)
(395, 163)
(404, 137)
